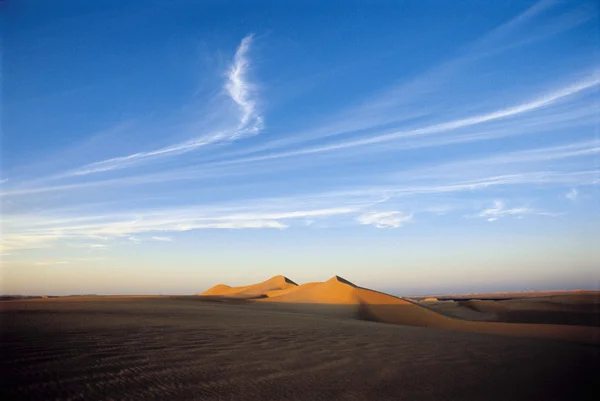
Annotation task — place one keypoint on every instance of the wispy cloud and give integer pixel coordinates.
(163, 239)
(540, 102)
(96, 246)
(38, 233)
(572, 194)
(240, 90)
(50, 262)
(396, 103)
(391, 121)
(499, 210)
(392, 219)
(57, 262)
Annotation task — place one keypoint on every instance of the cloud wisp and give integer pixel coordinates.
(42, 231)
(499, 210)
(390, 105)
(393, 219)
(517, 110)
(240, 91)
(573, 194)
(372, 174)
(163, 239)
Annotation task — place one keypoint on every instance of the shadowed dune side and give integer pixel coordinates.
(416, 315)
(389, 309)
(457, 310)
(579, 311)
(484, 306)
(567, 296)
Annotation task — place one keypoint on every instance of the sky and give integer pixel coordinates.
(413, 147)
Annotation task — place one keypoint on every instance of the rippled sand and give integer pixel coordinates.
(188, 348)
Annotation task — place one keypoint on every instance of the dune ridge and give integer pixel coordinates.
(376, 306)
(274, 284)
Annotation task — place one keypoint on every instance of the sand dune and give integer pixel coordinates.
(276, 283)
(366, 304)
(334, 291)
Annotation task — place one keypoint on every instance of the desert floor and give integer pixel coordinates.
(188, 348)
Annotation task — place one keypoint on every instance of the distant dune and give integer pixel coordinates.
(272, 285)
(570, 294)
(366, 304)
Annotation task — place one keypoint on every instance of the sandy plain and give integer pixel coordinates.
(247, 346)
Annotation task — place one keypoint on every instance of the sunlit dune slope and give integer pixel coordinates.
(333, 291)
(276, 283)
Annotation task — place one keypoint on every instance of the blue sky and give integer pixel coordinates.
(412, 147)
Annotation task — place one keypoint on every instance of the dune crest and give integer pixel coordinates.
(276, 283)
(333, 291)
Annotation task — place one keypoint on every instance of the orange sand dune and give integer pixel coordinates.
(376, 306)
(333, 291)
(277, 283)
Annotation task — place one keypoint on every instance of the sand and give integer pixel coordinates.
(277, 340)
(366, 304)
(277, 283)
(99, 348)
(566, 310)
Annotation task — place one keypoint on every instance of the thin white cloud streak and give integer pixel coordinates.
(50, 262)
(55, 262)
(96, 246)
(28, 234)
(577, 149)
(126, 161)
(178, 174)
(440, 128)
(551, 153)
(162, 239)
(383, 108)
(392, 219)
(240, 90)
(25, 235)
(571, 117)
(583, 148)
(560, 24)
(499, 210)
(503, 30)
